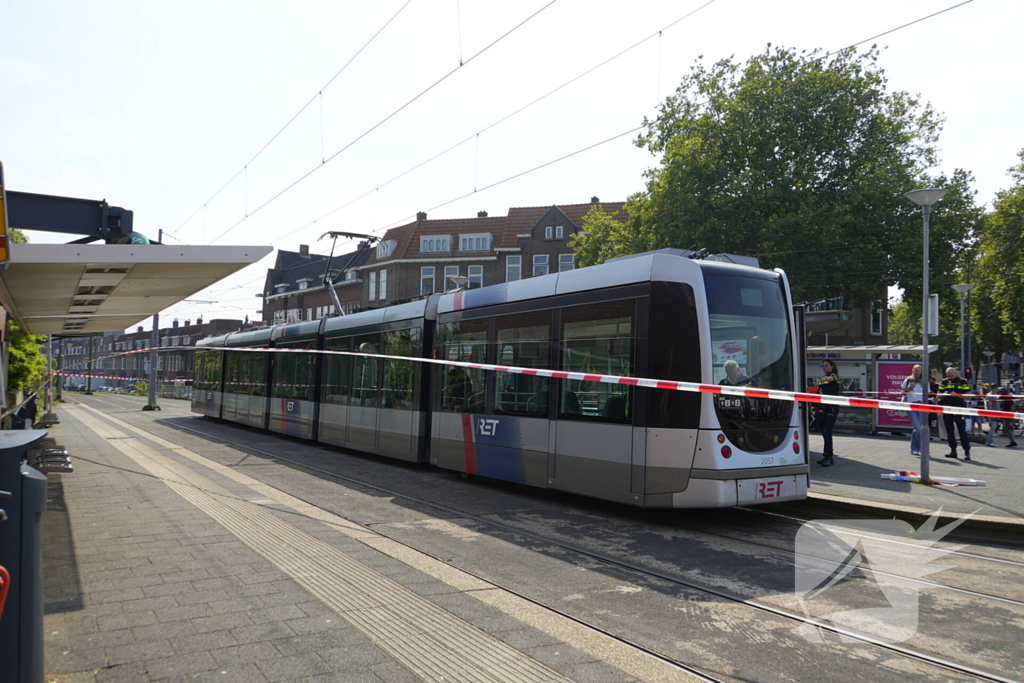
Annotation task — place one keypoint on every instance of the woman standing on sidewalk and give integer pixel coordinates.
(913, 392)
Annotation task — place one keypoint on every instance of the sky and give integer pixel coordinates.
(255, 122)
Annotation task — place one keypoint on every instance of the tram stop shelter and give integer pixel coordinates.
(869, 372)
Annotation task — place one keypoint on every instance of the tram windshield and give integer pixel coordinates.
(750, 346)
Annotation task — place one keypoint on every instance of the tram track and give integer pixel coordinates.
(923, 657)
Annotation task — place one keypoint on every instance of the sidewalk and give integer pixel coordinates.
(855, 479)
(161, 564)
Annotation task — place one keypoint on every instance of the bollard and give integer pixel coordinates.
(21, 624)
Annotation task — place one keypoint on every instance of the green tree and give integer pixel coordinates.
(140, 388)
(799, 158)
(1001, 245)
(25, 362)
(18, 237)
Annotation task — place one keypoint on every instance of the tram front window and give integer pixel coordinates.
(750, 346)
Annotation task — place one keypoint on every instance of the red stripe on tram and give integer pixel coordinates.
(467, 443)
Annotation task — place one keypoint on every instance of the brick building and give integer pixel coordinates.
(294, 289)
(422, 257)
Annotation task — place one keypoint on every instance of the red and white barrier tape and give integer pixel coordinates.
(793, 396)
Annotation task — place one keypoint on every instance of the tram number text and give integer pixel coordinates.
(769, 489)
(730, 402)
(487, 427)
(767, 461)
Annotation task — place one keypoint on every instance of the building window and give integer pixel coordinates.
(540, 264)
(547, 232)
(383, 285)
(566, 262)
(280, 289)
(309, 314)
(427, 280)
(476, 276)
(373, 287)
(513, 268)
(435, 243)
(304, 283)
(450, 272)
(352, 275)
(558, 232)
(480, 242)
(383, 250)
(877, 310)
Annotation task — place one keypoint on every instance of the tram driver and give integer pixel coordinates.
(733, 376)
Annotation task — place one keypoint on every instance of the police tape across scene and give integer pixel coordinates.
(670, 385)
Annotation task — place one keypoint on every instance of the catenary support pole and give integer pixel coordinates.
(155, 341)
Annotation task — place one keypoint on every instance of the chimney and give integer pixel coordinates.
(174, 324)
(199, 320)
(304, 250)
(481, 214)
(421, 216)
(594, 200)
(188, 322)
(138, 330)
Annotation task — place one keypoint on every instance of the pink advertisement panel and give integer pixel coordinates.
(889, 376)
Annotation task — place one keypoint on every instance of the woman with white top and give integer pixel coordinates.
(913, 392)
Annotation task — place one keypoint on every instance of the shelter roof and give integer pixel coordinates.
(92, 288)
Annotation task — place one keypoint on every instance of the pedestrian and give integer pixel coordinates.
(991, 403)
(951, 393)
(913, 392)
(939, 422)
(1006, 403)
(829, 386)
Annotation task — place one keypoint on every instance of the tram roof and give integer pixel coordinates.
(92, 288)
(647, 267)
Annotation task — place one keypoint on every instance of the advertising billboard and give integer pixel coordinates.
(889, 376)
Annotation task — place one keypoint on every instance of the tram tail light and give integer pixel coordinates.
(726, 452)
(796, 448)
(721, 438)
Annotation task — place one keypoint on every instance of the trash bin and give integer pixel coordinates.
(21, 553)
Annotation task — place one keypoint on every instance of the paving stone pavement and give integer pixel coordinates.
(862, 459)
(141, 585)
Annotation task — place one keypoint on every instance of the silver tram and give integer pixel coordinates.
(653, 315)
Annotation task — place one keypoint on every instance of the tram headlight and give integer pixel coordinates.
(726, 452)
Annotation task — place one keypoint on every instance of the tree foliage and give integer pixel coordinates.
(1001, 246)
(799, 158)
(25, 362)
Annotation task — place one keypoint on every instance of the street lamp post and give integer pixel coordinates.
(925, 199)
(962, 290)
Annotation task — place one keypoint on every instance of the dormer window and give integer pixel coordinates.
(281, 289)
(475, 242)
(555, 232)
(383, 250)
(435, 244)
(304, 282)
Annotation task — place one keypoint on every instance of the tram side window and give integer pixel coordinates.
(462, 389)
(399, 375)
(365, 371)
(337, 372)
(207, 371)
(598, 339)
(293, 373)
(523, 340)
(246, 373)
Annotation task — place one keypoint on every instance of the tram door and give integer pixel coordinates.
(364, 409)
(593, 433)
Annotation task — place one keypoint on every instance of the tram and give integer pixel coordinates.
(652, 315)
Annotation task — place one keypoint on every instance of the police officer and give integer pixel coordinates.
(829, 386)
(951, 394)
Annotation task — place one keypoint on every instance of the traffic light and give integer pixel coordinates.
(969, 375)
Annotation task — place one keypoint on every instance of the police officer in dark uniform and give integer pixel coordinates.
(829, 386)
(951, 394)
